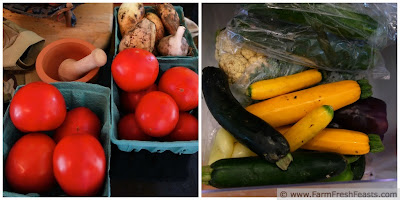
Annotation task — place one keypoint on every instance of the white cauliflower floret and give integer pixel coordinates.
(247, 53)
(258, 58)
(228, 46)
(233, 58)
(224, 45)
(233, 65)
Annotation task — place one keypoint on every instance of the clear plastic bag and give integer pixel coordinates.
(244, 66)
(333, 37)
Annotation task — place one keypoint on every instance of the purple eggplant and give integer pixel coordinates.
(365, 115)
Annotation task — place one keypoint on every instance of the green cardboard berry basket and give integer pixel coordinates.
(76, 94)
(177, 147)
(166, 60)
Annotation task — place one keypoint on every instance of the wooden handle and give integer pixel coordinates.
(71, 69)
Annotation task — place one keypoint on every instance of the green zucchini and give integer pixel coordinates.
(358, 168)
(249, 130)
(346, 175)
(352, 158)
(254, 171)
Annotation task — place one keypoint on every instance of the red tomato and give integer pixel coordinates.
(157, 114)
(186, 129)
(79, 120)
(128, 129)
(182, 84)
(134, 69)
(79, 165)
(37, 106)
(29, 166)
(129, 100)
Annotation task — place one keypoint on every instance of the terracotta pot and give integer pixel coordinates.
(50, 58)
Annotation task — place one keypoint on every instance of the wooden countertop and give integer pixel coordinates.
(94, 24)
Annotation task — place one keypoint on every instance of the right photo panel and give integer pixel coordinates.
(299, 100)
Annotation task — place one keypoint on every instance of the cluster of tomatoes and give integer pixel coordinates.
(154, 111)
(74, 158)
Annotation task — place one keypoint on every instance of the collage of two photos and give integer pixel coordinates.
(199, 99)
(100, 99)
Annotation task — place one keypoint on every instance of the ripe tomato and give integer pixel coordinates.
(129, 100)
(79, 120)
(186, 129)
(134, 69)
(182, 84)
(128, 129)
(37, 106)
(29, 166)
(157, 114)
(79, 165)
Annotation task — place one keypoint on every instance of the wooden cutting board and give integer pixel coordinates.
(94, 24)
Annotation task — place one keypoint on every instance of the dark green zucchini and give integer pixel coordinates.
(254, 171)
(248, 129)
(351, 158)
(358, 168)
(346, 175)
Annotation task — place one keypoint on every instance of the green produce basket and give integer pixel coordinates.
(177, 147)
(76, 94)
(167, 60)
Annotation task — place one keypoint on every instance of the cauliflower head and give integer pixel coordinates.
(234, 58)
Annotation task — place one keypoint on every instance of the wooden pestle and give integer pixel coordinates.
(71, 69)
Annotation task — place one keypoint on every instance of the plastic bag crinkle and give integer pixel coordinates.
(333, 37)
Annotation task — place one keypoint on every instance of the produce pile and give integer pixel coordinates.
(154, 110)
(294, 134)
(158, 30)
(288, 115)
(73, 157)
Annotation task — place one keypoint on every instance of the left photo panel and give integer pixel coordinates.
(100, 99)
